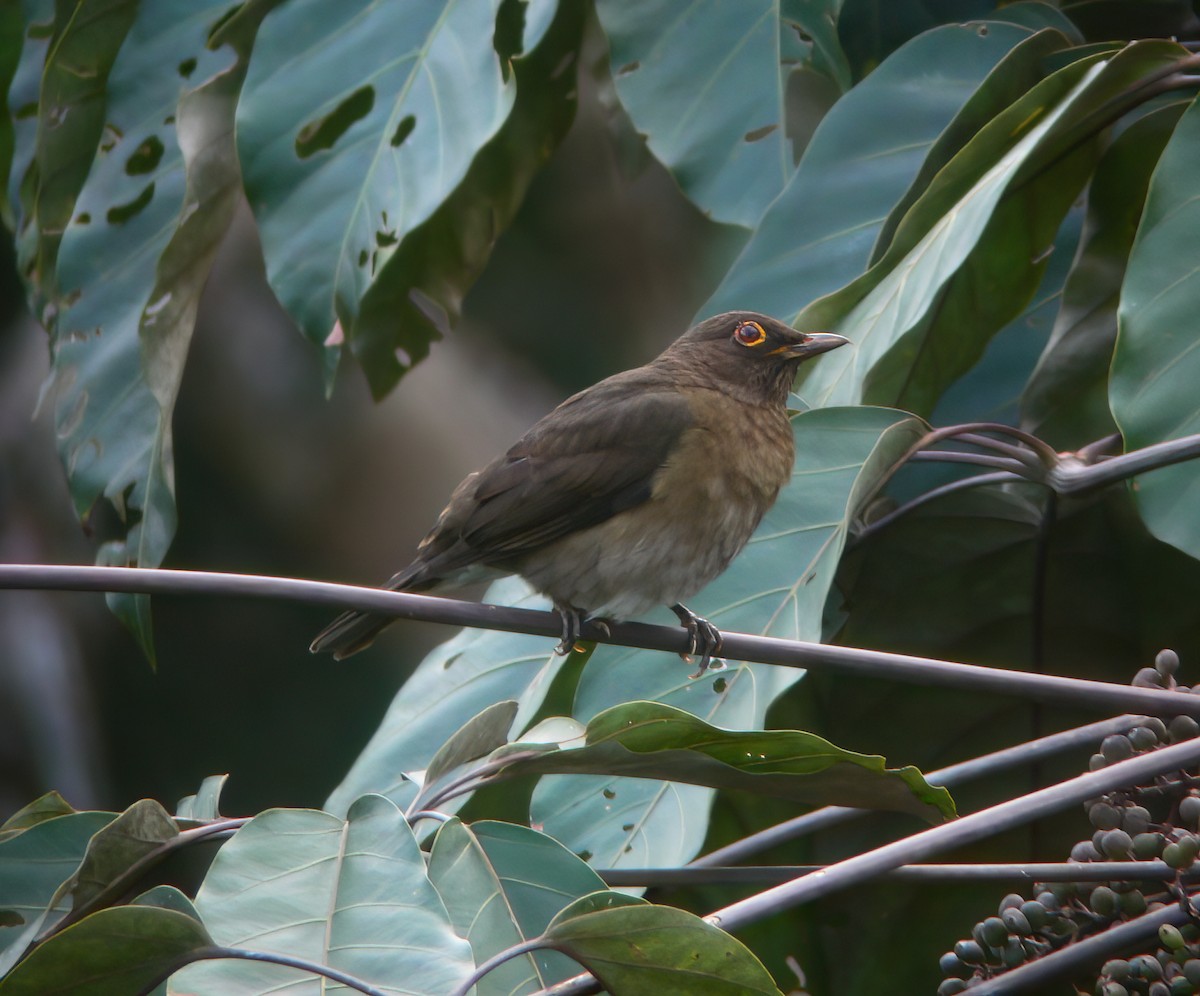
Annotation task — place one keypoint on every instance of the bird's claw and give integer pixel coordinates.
(704, 639)
(572, 622)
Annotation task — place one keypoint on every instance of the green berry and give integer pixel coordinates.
(1096, 762)
(1166, 662)
(1189, 810)
(1011, 901)
(993, 931)
(1117, 969)
(1181, 987)
(1147, 846)
(969, 952)
(1048, 898)
(1170, 937)
(1016, 921)
(1104, 816)
(1113, 989)
(1085, 850)
(951, 987)
(1182, 728)
(1103, 901)
(1191, 971)
(1156, 726)
(1181, 853)
(1116, 747)
(1132, 903)
(1147, 677)
(1159, 989)
(1035, 913)
(1145, 967)
(1143, 738)
(1116, 844)
(1135, 819)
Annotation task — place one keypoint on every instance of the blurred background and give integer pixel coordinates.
(278, 479)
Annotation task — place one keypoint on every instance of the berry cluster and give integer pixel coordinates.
(1158, 821)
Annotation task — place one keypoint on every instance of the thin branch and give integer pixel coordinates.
(976, 459)
(1022, 454)
(986, 766)
(1074, 476)
(977, 826)
(927, 874)
(303, 964)
(498, 959)
(1076, 692)
(999, 477)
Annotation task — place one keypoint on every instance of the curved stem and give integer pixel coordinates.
(999, 477)
(978, 459)
(494, 962)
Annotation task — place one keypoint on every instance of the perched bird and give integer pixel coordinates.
(633, 493)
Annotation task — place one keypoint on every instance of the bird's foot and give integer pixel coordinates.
(704, 639)
(572, 623)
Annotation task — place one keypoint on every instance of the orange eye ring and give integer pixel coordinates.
(749, 334)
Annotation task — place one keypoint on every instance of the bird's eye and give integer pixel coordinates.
(749, 333)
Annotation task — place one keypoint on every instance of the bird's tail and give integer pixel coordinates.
(354, 631)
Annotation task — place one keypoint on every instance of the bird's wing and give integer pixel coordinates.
(592, 457)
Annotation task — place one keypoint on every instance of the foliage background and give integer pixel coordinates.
(605, 262)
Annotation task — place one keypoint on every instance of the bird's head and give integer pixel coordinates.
(749, 355)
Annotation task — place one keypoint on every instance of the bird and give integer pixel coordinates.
(636, 492)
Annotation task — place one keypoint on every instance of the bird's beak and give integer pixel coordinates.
(812, 344)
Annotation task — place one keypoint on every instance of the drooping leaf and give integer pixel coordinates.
(476, 738)
(642, 949)
(34, 866)
(1066, 400)
(1152, 389)
(350, 893)
(651, 740)
(705, 86)
(121, 288)
(141, 829)
(503, 884)
(113, 952)
(954, 273)
(817, 235)
(46, 807)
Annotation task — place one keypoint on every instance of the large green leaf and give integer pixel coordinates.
(650, 949)
(135, 252)
(776, 587)
(502, 884)
(818, 234)
(971, 250)
(137, 832)
(114, 952)
(1155, 369)
(358, 124)
(34, 865)
(704, 84)
(352, 894)
(651, 740)
(1066, 400)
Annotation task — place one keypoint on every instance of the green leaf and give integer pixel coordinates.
(358, 158)
(972, 249)
(1066, 400)
(503, 884)
(36, 32)
(140, 830)
(456, 681)
(817, 236)
(476, 738)
(420, 291)
(645, 949)
(135, 253)
(45, 807)
(113, 952)
(205, 804)
(352, 894)
(34, 867)
(1152, 389)
(704, 85)
(810, 37)
(651, 740)
(777, 587)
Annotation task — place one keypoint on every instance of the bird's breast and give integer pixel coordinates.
(705, 502)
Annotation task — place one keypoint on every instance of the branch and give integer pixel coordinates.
(977, 826)
(987, 765)
(1075, 692)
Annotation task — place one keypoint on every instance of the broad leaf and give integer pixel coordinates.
(476, 738)
(205, 804)
(817, 235)
(113, 952)
(502, 884)
(34, 866)
(1066, 400)
(645, 949)
(1153, 385)
(651, 740)
(137, 832)
(46, 807)
(704, 85)
(351, 894)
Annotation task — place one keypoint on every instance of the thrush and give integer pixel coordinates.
(636, 492)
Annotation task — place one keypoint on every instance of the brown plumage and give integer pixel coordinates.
(633, 493)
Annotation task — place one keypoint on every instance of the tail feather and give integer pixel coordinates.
(353, 631)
